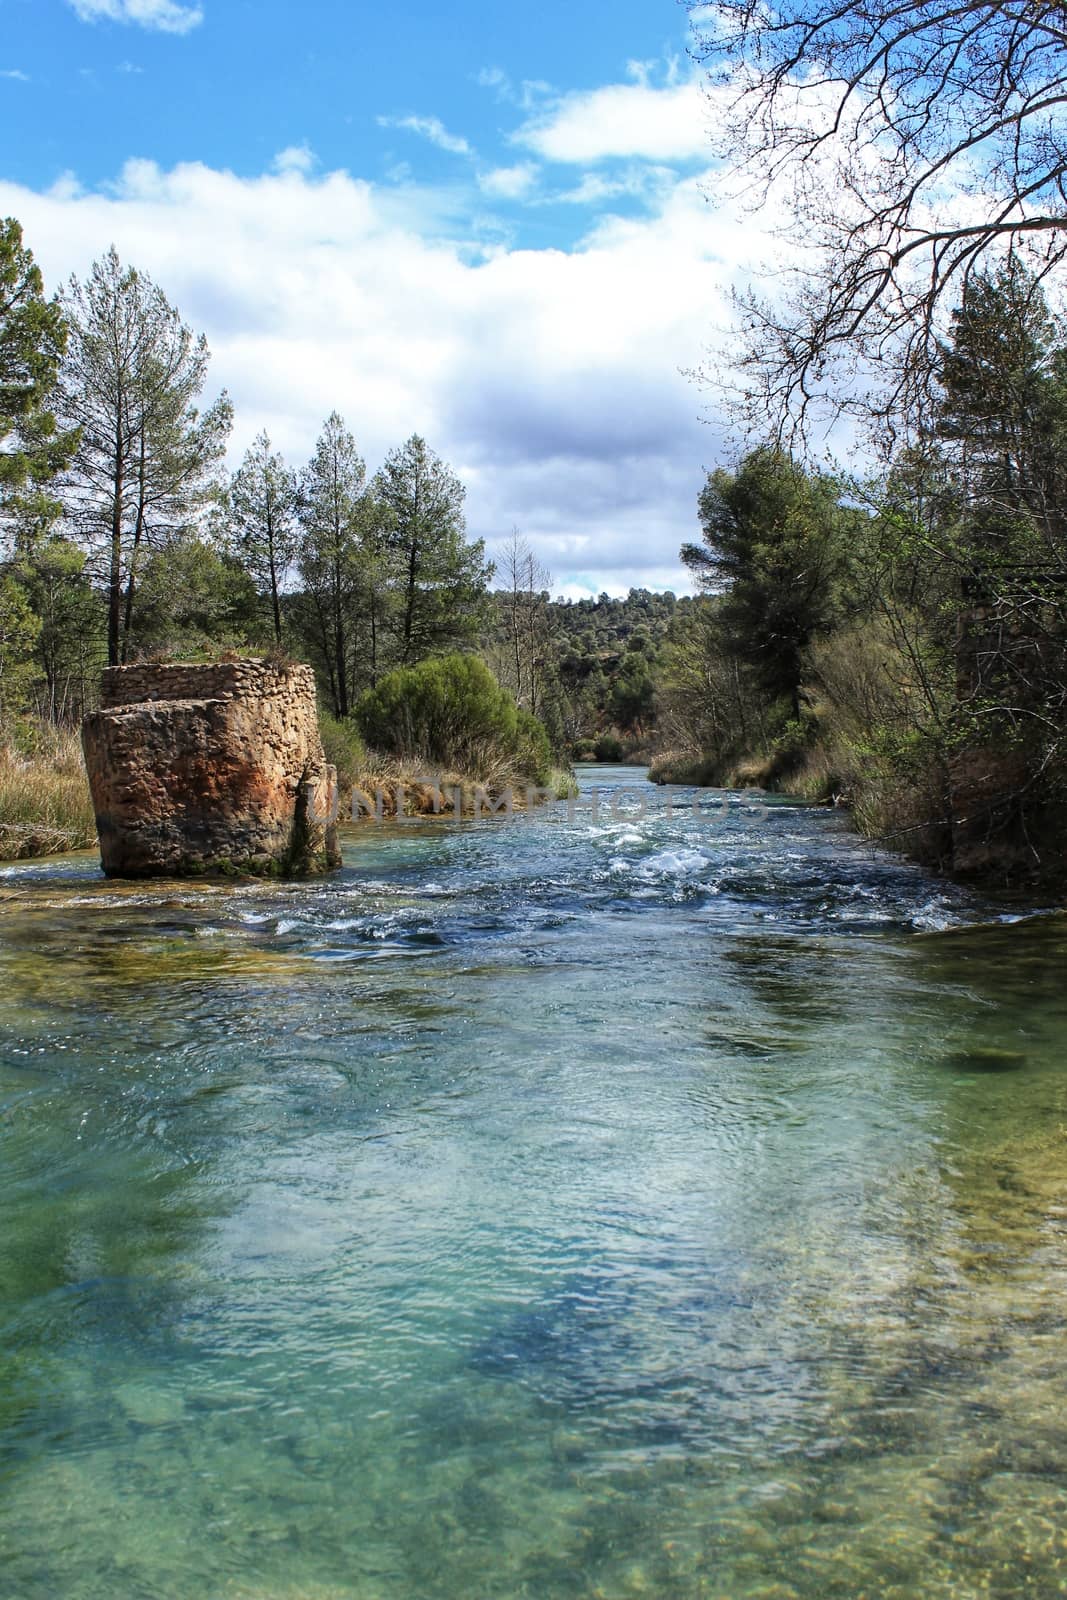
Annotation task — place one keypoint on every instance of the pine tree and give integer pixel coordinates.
(442, 579)
(261, 518)
(33, 338)
(776, 547)
(147, 461)
(331, 511)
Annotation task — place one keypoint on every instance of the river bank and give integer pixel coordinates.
(46, 808)
(961, 820)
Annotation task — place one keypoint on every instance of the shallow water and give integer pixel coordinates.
(669, 1201)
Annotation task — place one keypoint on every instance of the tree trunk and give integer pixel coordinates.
(409, 606)
(138, 535)
(114, 598)
(340, 663)
(413, 573)
(272, 560)
(275, 602)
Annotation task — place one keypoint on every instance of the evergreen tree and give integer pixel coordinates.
(146, 466)
(776, 547)
(19, 630)
(261, 518)
(68, 647)
(1001, 432)
(442, 579)
(376, 595)
(194, 599)
(1001, 427)
(33, 338)
(633, 693)
(331, 513)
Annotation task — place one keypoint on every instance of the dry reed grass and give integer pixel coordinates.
(45, 807)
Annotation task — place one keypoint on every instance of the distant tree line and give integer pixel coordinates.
(588, 668)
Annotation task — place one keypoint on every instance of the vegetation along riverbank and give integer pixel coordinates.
(892, 642)
(899, 643)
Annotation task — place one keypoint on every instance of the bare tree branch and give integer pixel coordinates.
(911, 143)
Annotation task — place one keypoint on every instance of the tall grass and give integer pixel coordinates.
(45, 807)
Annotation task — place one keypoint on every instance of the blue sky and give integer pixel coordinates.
(486, 223)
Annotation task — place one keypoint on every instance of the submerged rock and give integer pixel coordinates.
(209, 769)
(986, 1058)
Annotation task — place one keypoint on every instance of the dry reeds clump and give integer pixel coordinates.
(45, 806)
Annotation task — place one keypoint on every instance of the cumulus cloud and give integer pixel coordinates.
(509, 183)
(631, 120)
(431, 128)
(295, 158)
(550, 379)
(168, 16)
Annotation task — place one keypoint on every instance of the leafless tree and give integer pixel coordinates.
(911, 143)
(525, 602)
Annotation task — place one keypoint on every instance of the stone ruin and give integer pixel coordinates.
(211, 769)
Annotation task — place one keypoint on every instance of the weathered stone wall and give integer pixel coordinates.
(223, 680)
(219, 768)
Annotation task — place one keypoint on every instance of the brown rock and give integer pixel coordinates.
(199, 769)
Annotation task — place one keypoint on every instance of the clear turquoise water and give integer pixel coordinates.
(666, 1205)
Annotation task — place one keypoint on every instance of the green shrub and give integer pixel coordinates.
(344, 748)
(532, 750)
(451, 711)
(562, 783)
(609, 747)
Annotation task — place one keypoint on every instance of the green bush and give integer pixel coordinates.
(609, 748)
(451, 711)
(344, 748)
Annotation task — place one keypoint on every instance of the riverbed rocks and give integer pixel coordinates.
(207, 769)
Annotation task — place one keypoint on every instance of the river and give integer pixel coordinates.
(664, 1200)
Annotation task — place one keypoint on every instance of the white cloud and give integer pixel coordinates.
(296, 158)
(549, 379)
(642, 72)
(430, 128)
(638, 182)
(669, 68)
(169, 16)
(16, 75)
(529, 93)
(631, 120)
(509, 183)
(495, 78)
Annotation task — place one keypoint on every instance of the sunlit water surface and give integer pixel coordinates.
(657, 1203)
